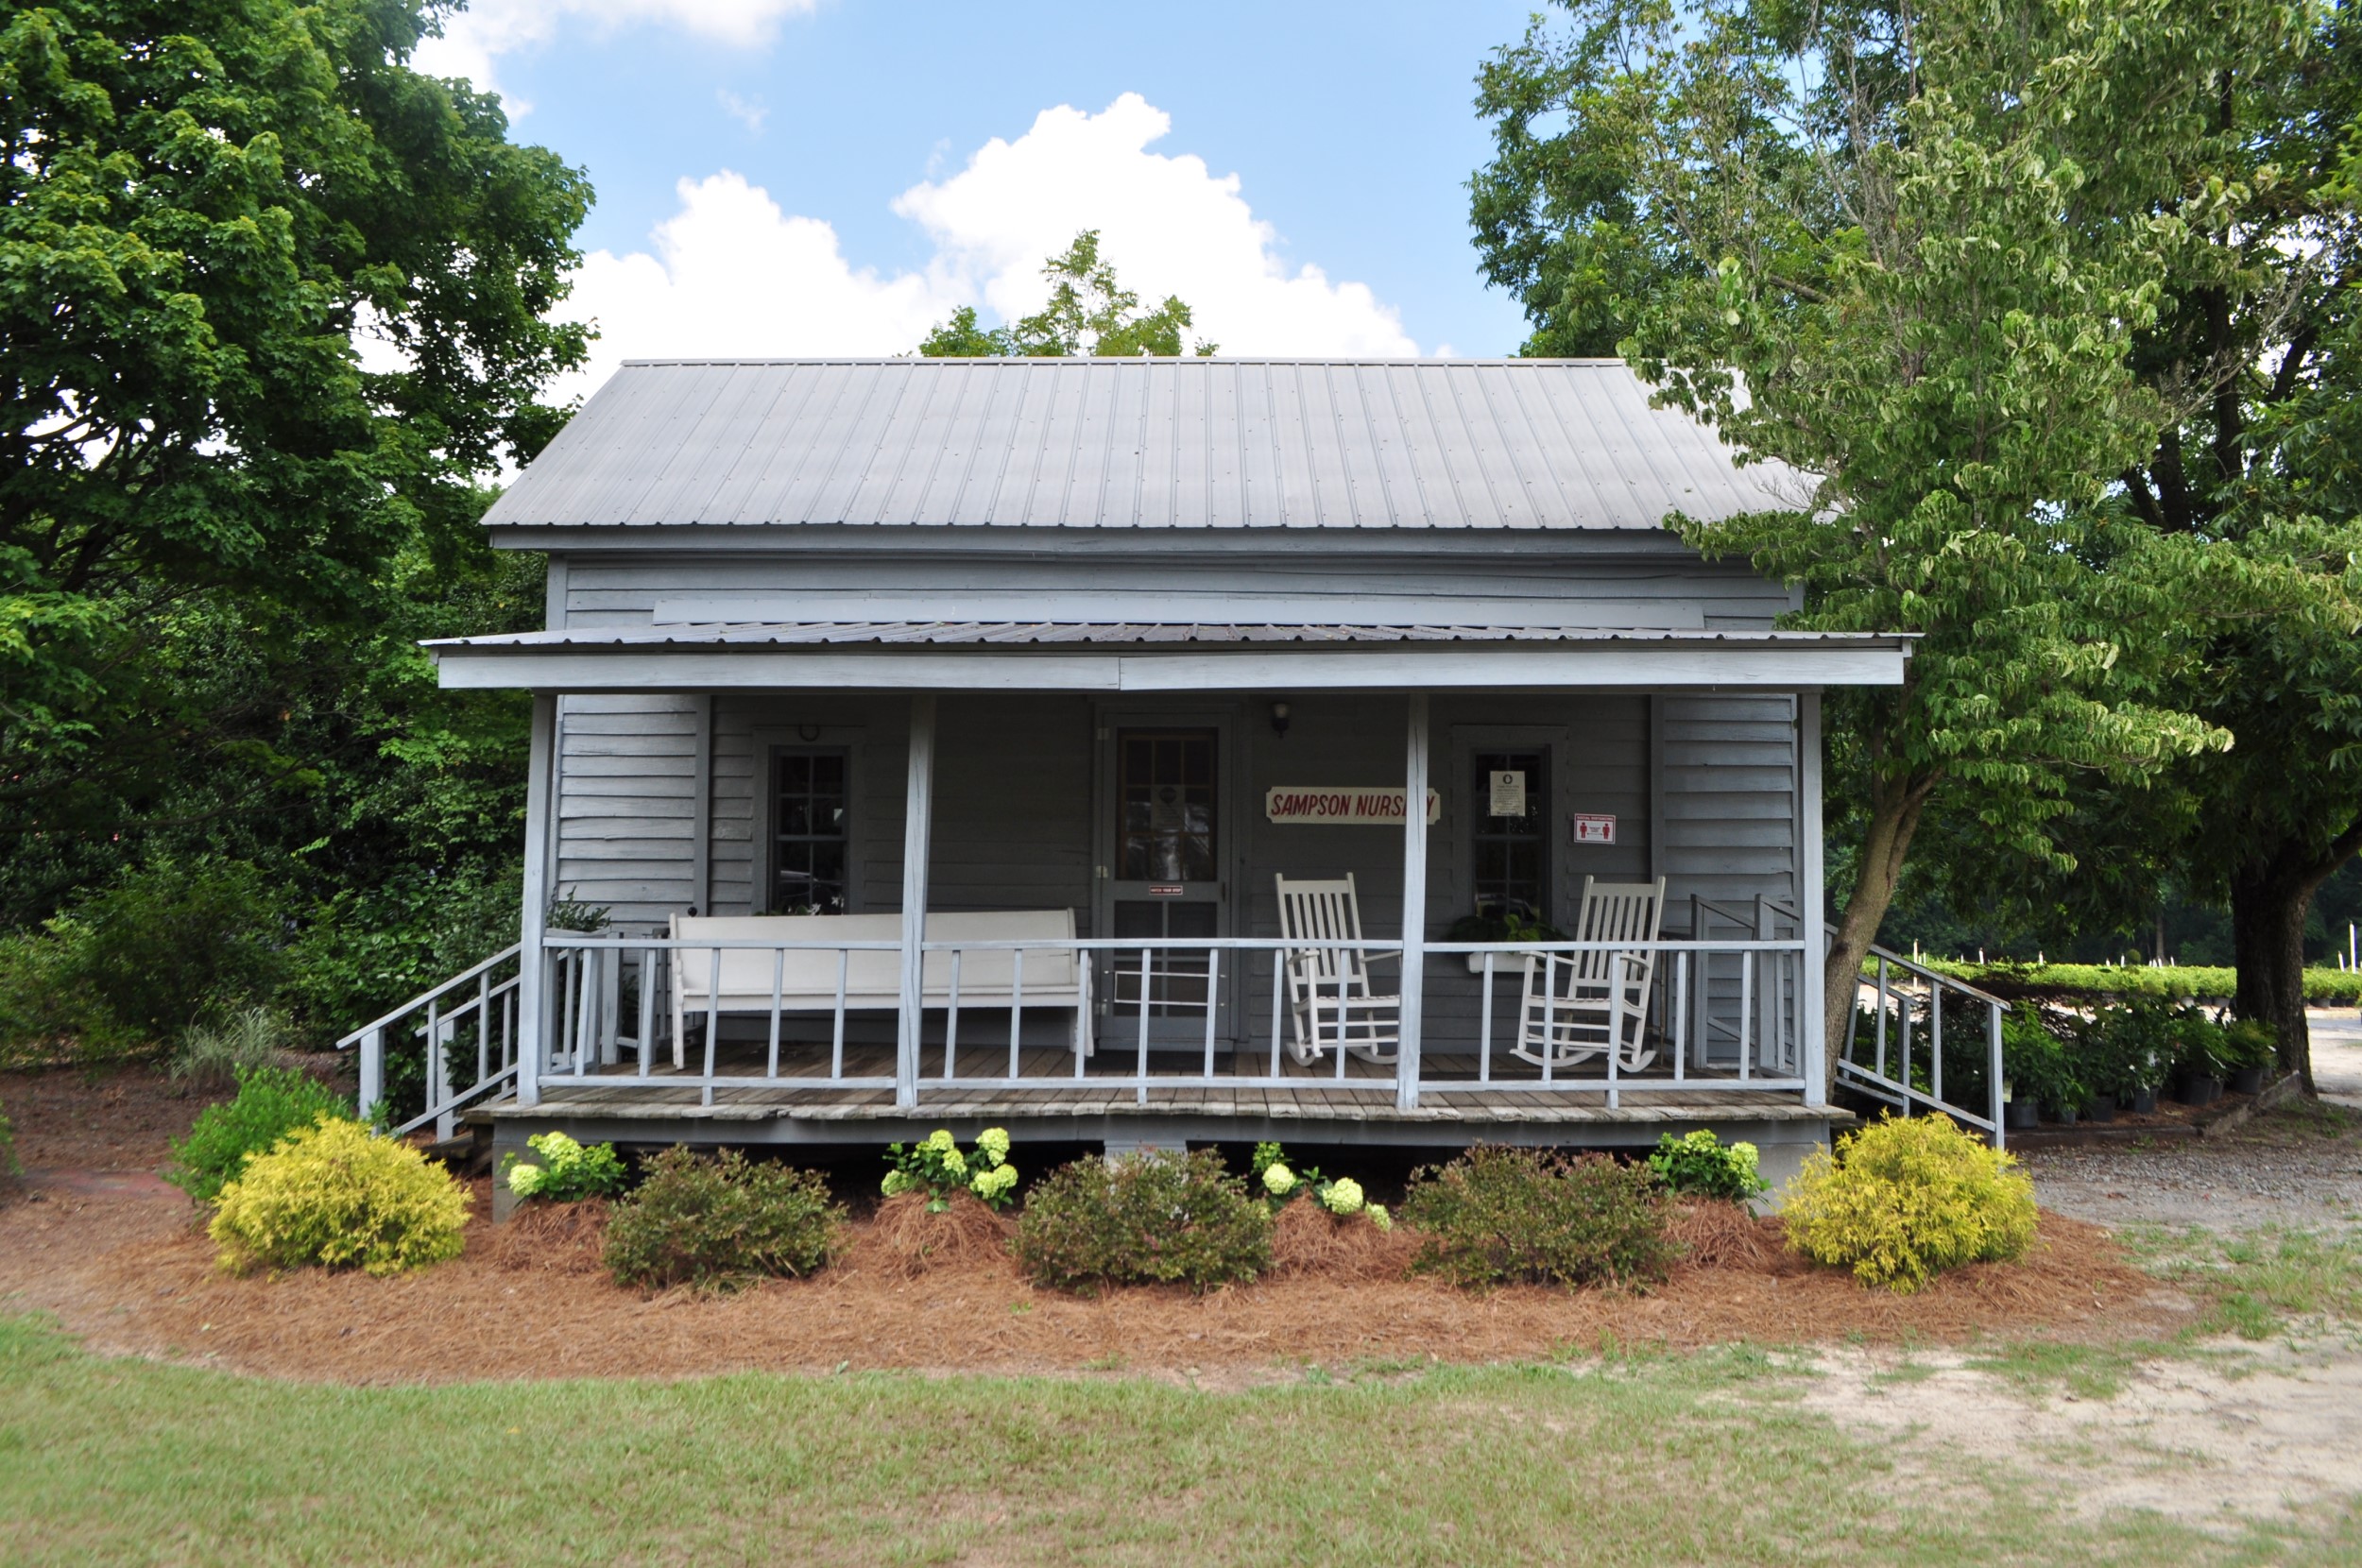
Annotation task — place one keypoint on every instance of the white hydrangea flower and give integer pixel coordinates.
(1379, 1216)
(526, 1180)
(995, 1142)
(1343, 1196)
(1279, 1180)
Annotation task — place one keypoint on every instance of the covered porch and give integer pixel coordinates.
(1149, 791)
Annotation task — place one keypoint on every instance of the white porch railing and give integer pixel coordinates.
(1903, 998)
(466, 1031)
(1166, 1014)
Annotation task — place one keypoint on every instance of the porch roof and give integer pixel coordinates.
(1160, 656)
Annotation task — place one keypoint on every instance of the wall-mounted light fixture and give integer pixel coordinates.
(1279, 720)
(809, 733)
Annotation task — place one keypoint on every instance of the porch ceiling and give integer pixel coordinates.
(1165, 657)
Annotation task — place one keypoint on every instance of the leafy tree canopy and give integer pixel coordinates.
(1089, 315)
(1907, 254)
(206, 203)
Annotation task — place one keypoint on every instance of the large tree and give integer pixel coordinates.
(1908, 254)
(207, 204)
(1088, 313)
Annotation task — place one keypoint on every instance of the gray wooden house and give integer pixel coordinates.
(940, 737)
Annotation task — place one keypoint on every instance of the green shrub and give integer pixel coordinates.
(271, 1103)
(565, 1172)
(720, 1223)
(1146, 1218)
(2037, 1064)
(1904, 1198)
(337, 1195)
(936, 1167)
(1699, 1165)
(214, 1056)
(2323, 986)
(1496, 1215)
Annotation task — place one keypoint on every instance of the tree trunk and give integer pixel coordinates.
(1895, 808)
(2268, 913)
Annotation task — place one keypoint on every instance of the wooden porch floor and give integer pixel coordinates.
(1449, 1092)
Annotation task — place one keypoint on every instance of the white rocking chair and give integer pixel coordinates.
(1581, 1005)
(1330, 1000)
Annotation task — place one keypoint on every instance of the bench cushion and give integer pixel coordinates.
(808, 977)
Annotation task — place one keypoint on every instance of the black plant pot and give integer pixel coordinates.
(2062, 1115)
(2246, 1081)
(2197, 1090)
(2144, 1102)
(2103, 1108)
(2021, 1116)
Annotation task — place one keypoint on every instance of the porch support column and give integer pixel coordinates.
(532, 963)
(1413, 989)
(918, 832)
(1813, 1046)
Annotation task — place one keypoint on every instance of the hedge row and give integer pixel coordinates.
(2322, 987)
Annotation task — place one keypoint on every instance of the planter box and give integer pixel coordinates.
(2248, 1080)
(2021, 1116)
(2199, 1091)
(2144, 1102)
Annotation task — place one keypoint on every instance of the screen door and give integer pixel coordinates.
(1165, 879)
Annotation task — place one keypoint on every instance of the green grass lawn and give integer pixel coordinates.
(1701, 1458)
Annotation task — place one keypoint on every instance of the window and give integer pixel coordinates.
(811, 820)
(1512, 813)
(1165, 796)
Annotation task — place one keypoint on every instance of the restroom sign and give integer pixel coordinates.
(1344, 806)
(1595, 829)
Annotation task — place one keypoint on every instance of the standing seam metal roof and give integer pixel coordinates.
(1135, 443)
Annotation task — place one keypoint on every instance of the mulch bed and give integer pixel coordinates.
(131, 1274)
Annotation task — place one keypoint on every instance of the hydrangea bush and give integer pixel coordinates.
(936, 1167)
(567, 1171)
(1699, 1165)
(1282, 1182)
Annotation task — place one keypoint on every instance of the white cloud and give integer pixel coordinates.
(749, 112)
(474, 38)
(732, 275)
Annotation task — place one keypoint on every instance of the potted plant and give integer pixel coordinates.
(1500, 920)
(2031, 1060)
(2198, 1068)
(2249, 1048)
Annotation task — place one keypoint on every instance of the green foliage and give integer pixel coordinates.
(214, 1056)
(206, 206)
(336, 1195)
(1153, 1217)
(1088, 313)
(1281, 1182)
(1700, 1164)
(565, 1171)
(936, 1167)
(1496, 1215)
(271, 1103)
(722, 1222)
(9, 1167)
(2322, 987)
(2037, 1064)
(1903, 1200)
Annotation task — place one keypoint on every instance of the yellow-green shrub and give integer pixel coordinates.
(337, 1195)
(1904, 1199)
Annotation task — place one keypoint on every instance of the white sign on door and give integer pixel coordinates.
(1595, 829)
(1509, 793)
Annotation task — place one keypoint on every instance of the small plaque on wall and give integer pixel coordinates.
(1590, 828)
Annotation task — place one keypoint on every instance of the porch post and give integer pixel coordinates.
(1413, 989)
(1810, 900)
(917, 830)
(532, 965)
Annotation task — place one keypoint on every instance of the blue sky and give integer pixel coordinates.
(1349, 129)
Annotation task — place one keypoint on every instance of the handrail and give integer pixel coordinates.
(425, 997)
(1950, 982)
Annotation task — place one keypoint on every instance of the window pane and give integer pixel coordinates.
(1168, 828)
(810, 820)
(1510, 849)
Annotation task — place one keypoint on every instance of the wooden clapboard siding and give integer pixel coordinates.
(625, 803)
(1282, 583)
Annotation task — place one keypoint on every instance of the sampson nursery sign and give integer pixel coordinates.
(1343, 805)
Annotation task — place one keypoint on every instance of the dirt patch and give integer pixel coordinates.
(132, 1274)
(124, 1118)
(902, 1240)
(1308, 1242)
(2259, 1433)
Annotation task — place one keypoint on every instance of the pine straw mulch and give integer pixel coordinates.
(529, 1300)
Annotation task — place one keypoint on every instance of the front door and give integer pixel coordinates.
(1166, 877)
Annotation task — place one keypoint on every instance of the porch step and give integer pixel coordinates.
(468, 1154)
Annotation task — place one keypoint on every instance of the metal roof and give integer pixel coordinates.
(1004, 633)
(1135, 443)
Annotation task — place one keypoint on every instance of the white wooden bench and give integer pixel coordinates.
(1053, 975)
